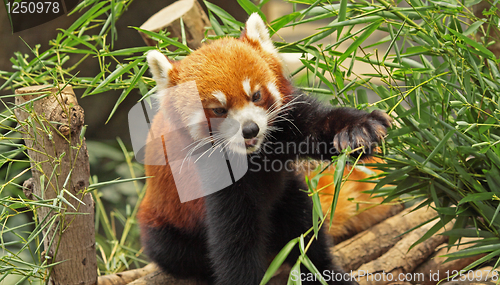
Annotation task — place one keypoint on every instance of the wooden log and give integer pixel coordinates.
(194, 18)
(58, 156)
(372, 243)
(398, 262)
(160, 278)
(435, 268)
(126, 277)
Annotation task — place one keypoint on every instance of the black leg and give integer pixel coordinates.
(237, 227)
(181, 254)
(291, 217)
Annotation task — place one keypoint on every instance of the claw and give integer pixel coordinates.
(364, 135)
(341, 140)
(382, 117)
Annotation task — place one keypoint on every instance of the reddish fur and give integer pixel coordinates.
(161, 204)
(358, 214)
(239, 63)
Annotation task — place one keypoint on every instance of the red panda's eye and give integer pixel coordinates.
(256, 97)
(219, 111)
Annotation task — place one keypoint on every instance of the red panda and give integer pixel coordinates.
(230, 236)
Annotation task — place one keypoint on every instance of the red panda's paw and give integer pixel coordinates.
(366, 133)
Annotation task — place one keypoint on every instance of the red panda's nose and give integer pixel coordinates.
(250, 130)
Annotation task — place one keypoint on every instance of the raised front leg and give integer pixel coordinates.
(325, 131)
(236, 236)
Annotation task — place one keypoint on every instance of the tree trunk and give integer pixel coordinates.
(59, 159)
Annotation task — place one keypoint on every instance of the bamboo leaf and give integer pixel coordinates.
(250, 8)
(279, 23)
(278, 260)
(337, 181)
(369, 30)
(119, 71)
(223, 15)
(342, 16)
(480, 48)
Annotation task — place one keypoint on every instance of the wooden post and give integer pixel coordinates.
(59, 158)
(194, 18)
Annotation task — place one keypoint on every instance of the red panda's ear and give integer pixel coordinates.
(256, 30)
(160, 67)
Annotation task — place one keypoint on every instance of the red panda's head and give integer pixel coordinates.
(237, 79)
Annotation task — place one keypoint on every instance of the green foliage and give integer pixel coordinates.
(117, 234)
(431, 70)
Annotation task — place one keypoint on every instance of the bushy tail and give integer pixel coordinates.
(355, 211)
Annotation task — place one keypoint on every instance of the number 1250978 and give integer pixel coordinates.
(33, 7)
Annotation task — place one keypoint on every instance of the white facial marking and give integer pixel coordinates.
(249, 113)
(247, 87)
(221, 97)
(273, 89)
(196, 128)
